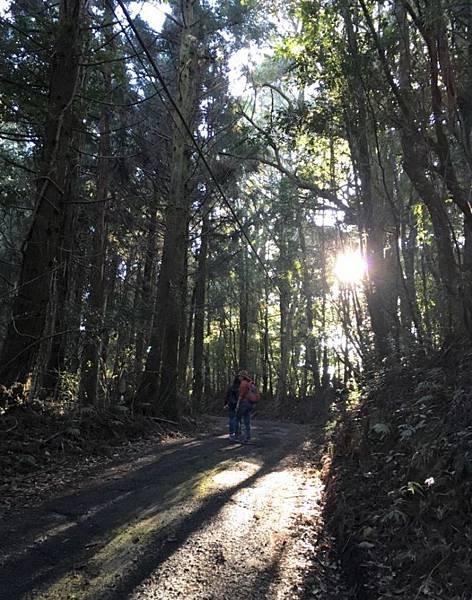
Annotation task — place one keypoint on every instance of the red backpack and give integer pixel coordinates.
(252, 394)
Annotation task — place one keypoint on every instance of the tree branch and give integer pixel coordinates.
(279, 91)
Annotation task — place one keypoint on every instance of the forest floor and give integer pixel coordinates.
(193, 518)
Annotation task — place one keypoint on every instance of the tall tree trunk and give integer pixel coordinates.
(159, 383)
(62, 299)
(207, 387)
(378, 300)
(184, 352)
(286, 316)
(415, 161)
(40, 248)
(200, 287)
(467, 277)
(110, 311)
(125, 331)
(312, 362)
(182, 356)
(408, 236)
(243, 312)
(89, 382)
(264, 319)
(463, 41)
(76, 295)
(146, 309)
(417, 166)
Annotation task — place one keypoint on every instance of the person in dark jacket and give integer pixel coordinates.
(231, 402)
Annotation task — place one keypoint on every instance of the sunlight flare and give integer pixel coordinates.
(350, 267)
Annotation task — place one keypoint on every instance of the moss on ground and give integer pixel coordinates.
(114, 557)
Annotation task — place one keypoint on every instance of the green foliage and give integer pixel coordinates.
(409, 489)
(382, 429)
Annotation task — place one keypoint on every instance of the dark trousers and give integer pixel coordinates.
(244, 415)
(232, 419)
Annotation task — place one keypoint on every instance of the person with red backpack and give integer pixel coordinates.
(248, 397)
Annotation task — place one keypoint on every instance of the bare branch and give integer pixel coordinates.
(279, 92)
(301, 183)
(13, 163)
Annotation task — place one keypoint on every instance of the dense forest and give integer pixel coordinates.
(197, 187)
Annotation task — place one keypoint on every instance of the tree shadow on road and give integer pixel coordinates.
(258, 587)
(80, 533)
(181, 531)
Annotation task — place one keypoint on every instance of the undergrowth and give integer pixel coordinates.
(36, 435)
(399, 482)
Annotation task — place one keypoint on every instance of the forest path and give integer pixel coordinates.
(201, 518)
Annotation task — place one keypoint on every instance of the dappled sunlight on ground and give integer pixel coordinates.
(229, 478)
(247, 550)
(200, 519)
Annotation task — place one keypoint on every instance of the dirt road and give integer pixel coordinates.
(201, 518)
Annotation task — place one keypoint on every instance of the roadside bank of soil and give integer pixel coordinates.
(399, 483)
(42, 452)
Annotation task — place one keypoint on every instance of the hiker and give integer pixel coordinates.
(248, 396)
(231, 402)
